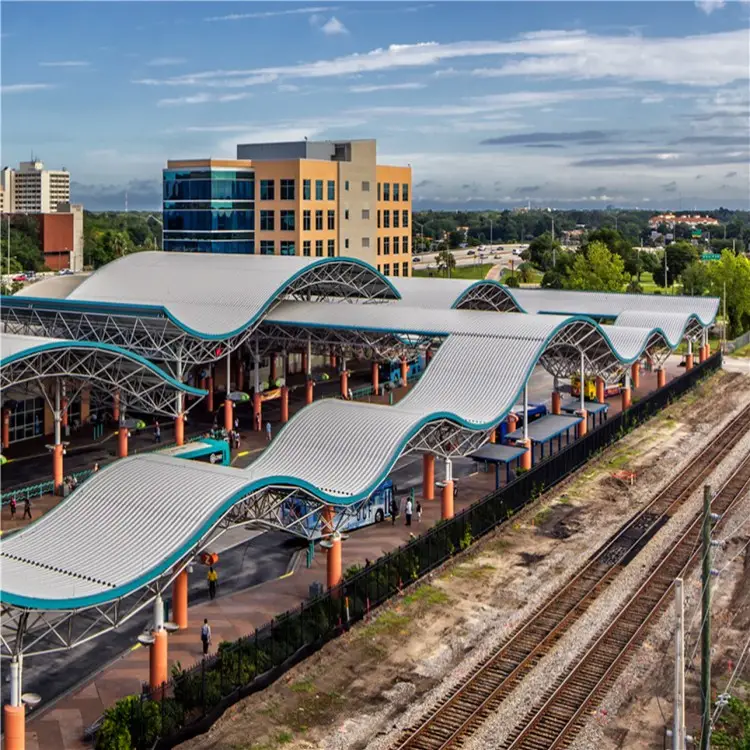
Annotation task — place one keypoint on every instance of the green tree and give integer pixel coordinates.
(732, 274)
(733, 727)
(616, 243)
(455, 238)
(634, 287)
(446, 261)
(680, 255)
(597, 270)
(695, 279)
(541, 251)
(525, 273)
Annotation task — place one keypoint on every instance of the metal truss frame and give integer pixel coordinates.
(157, 337)
(487, 296)
(139, 387)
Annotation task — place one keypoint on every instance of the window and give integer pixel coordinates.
(387, 219)
(346, 213)
(331, 190)
(267, 247)
(395, 269)
(346, 243)
(287, 221)
(378, 191)
(395, 219)
(318, 190)
(386, 245)
(318, 248)
(365, 242)
(395, 245)
(306, 222)
(379, 268)
(365, 213)
(387, 269)
(405, 268)
(346, 186)
(405, 244)
(306, 248)
(319, 220)
(306, 189)
(267, 190)
(365, 186)
(386, 191)
(267, 221)
(332, 220)
(287, 190)
(287, 247)
(378, 219)
(395, 195)
(405, 192)
(378, 245)
(331, 248)
(405, 219)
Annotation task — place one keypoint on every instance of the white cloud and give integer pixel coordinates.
(64, 64)
(652, 99)
(287, 88)
(202, 98)
(271, 13)
(159, 62)
(333, 26)
(709, 6)
(386, 87)
(22, 88)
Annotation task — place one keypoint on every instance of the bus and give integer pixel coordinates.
(391, 371)
(206, 450)
(375, 510)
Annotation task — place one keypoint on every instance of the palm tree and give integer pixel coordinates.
(119, 244)
(446, 260)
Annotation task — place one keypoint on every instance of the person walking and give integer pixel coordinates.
(213, 577)
(96, 467)
(236, 424)
(409, 509)
(157, 432)
(419, 511)
(205, 636)
(27, 509)
(12, 508)
(268, 432)
(394, 511)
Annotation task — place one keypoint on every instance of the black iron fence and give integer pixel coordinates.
(195, 698)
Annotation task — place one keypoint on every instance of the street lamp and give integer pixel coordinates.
(421, 232)
(161, 224)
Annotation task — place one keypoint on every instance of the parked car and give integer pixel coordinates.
(65, 272)
(20, 277)
(471, 252)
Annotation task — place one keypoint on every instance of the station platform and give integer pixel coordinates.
(545, 429)
(496, 454)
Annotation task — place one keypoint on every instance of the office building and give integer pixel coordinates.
(61, 237)
(32, 189)
(308, 198)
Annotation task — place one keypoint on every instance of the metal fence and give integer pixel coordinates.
(738, 343)
(195, 698)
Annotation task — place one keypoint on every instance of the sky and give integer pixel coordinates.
(493, 104)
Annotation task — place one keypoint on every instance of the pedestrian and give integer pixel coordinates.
(237, 424)
(394, 511)
(27, 509)
(213, 577)
(96, 467)
(13, 507)
(258, 423)
(350, 395)
(268, 431)
(409, 508)
(157, 432)
(237, 440)
(419, 512)
(205, 636)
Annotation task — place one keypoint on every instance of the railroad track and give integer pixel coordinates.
(556, 722)
(466, 708)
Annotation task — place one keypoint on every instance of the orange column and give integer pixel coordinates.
(333, 562)
(344, 384)
(404, 371)
(512, 420)
(661, 377)
(493, 436)
(375, 378)
(116, 406)
(284, 404)
(583, 426)
(600, 390)
(689, 362)
(428, 476)
(625, 393)
(257, 413)
(157, 662)
(526, 457)
(179, 429)
(210, 394)
(64, 412)
(122, 442)
(180, 600)
(6, 428)
(333, 361)
(57, 466)
(703, 353)
(556, 402)
(635, 374)
(228, 415)
(14, 727)
(272, 373)
(304, 361)
(446, 508)
(309, 391)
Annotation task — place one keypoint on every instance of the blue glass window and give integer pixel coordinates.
(219, 219)
(306, 189)
(318, 190)
(287, 247)
(267, 247)
(267, 221)
(331, 190)
(287, 221)
(287, 190)
(267, 190)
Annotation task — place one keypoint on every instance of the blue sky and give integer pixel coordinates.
(493, 104)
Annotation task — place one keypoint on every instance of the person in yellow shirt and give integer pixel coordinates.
(213, 577)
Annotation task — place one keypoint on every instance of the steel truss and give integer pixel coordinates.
(487, 296)
(139, 386)
(155, 336)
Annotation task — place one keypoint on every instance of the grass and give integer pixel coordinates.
(389, 623)
(621, 459)
(743, 352)
(427, 596)
(542, 516)
(473, 572)
(303, 686)
(460, 272)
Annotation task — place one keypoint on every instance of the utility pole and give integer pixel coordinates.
(678, 728)
(725, 313)
(554, 251)
(706, 622)
(666, 269)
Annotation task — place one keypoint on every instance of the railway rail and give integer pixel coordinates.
(454, 719)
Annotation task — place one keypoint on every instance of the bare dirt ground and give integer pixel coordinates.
(352, 693)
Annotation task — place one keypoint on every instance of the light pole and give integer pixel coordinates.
(161, 224)
(421, 232)
(490, 235)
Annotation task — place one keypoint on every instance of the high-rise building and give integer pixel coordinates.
(32, 189)
(308, 198)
